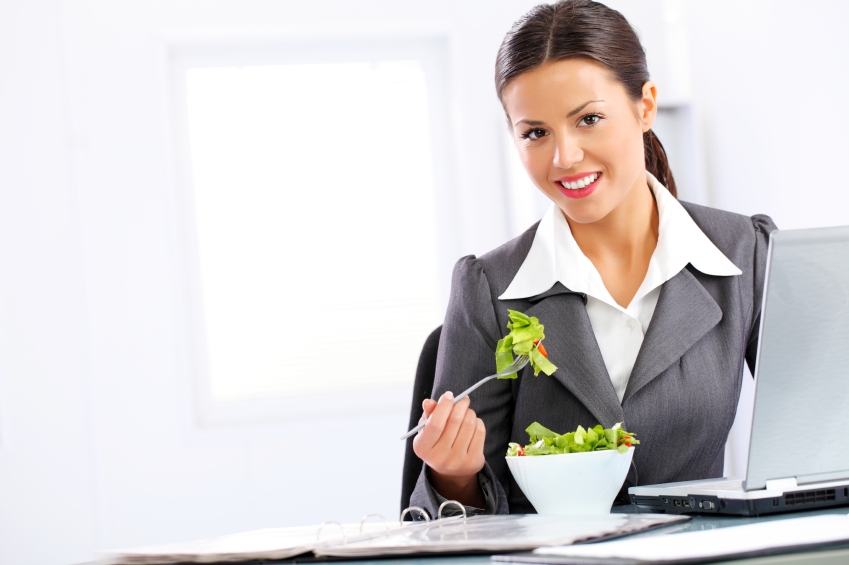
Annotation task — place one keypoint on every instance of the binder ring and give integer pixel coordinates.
(419, 509)
(341, 527)
(446, 503)
(381, 516)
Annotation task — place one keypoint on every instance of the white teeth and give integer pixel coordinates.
(583, 183)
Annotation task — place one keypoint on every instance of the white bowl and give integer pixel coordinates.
(572, 483)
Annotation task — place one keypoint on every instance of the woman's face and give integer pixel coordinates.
(580, 136)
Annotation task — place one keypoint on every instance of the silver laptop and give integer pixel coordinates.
(799, 449)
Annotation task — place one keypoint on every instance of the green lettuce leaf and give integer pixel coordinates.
(537, 431)
(543, 441)
(524, 331)
(513, 449)
(504, 356)
(541, 363)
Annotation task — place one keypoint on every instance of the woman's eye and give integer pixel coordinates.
(590, 119)
(535, 133)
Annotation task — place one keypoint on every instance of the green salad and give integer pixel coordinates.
(525, 338)
(546, 442)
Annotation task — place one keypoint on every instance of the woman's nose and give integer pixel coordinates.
(567, 153)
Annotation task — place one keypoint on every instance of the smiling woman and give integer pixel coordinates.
(651, 305)
(601, 138)
(601, 135)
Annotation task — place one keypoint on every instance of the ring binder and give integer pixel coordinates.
(420, 510)
(381, 516)
(489, 534)
(341, 527)
(446, 503)
(494, 534)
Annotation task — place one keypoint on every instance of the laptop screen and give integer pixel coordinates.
(799, 426)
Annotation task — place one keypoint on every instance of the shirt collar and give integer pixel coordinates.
(555, 256)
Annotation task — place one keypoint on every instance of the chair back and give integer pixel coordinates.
(422, 389)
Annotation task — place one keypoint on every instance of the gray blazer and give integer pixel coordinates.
(682, 395)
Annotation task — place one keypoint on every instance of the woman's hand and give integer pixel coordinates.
(451, 444)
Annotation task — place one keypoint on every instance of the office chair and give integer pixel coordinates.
(422, 388)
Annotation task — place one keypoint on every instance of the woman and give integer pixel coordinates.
(650, 305)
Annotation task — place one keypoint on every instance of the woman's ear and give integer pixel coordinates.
(647, 106)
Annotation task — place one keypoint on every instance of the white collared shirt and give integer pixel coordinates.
(555, 256)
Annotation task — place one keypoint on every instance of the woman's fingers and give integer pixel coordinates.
(476, 445)
(427, 406)
(452, 440)
(453, 423)
(436, 422)
(465, 432)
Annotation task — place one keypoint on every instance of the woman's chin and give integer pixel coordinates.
(583, 212)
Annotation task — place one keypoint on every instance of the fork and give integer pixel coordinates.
(514, 367)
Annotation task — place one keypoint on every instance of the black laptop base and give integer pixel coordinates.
(788, 502)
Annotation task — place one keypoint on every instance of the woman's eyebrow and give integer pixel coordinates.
(581, 107)
(530, 122)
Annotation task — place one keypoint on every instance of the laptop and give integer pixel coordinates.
(799, 449)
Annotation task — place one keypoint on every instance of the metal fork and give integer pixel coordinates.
(517, 365)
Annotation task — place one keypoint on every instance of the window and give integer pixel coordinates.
(316, 238)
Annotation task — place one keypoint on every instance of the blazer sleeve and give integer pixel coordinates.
(763, 226)
(466, 355)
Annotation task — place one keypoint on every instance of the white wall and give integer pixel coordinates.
(771, 82)
(48, 509)
(98, 445)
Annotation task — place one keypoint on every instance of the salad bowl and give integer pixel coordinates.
(572, 483)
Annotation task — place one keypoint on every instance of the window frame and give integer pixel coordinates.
(431, 50)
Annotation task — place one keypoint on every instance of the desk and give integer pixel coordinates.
(698, 522)
(709, 522)
(830, 557)
(836, 556)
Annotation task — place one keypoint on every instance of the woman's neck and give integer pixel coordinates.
(621, 244)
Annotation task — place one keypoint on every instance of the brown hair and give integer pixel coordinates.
(582, 29)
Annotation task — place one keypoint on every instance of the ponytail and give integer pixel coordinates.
(657, 163)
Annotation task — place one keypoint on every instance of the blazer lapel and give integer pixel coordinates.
(684, 313)
(572, 346)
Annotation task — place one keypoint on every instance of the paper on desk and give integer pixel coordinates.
(721, 542)
(268, 543)
(514, 532)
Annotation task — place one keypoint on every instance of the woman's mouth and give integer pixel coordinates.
(580, 187)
